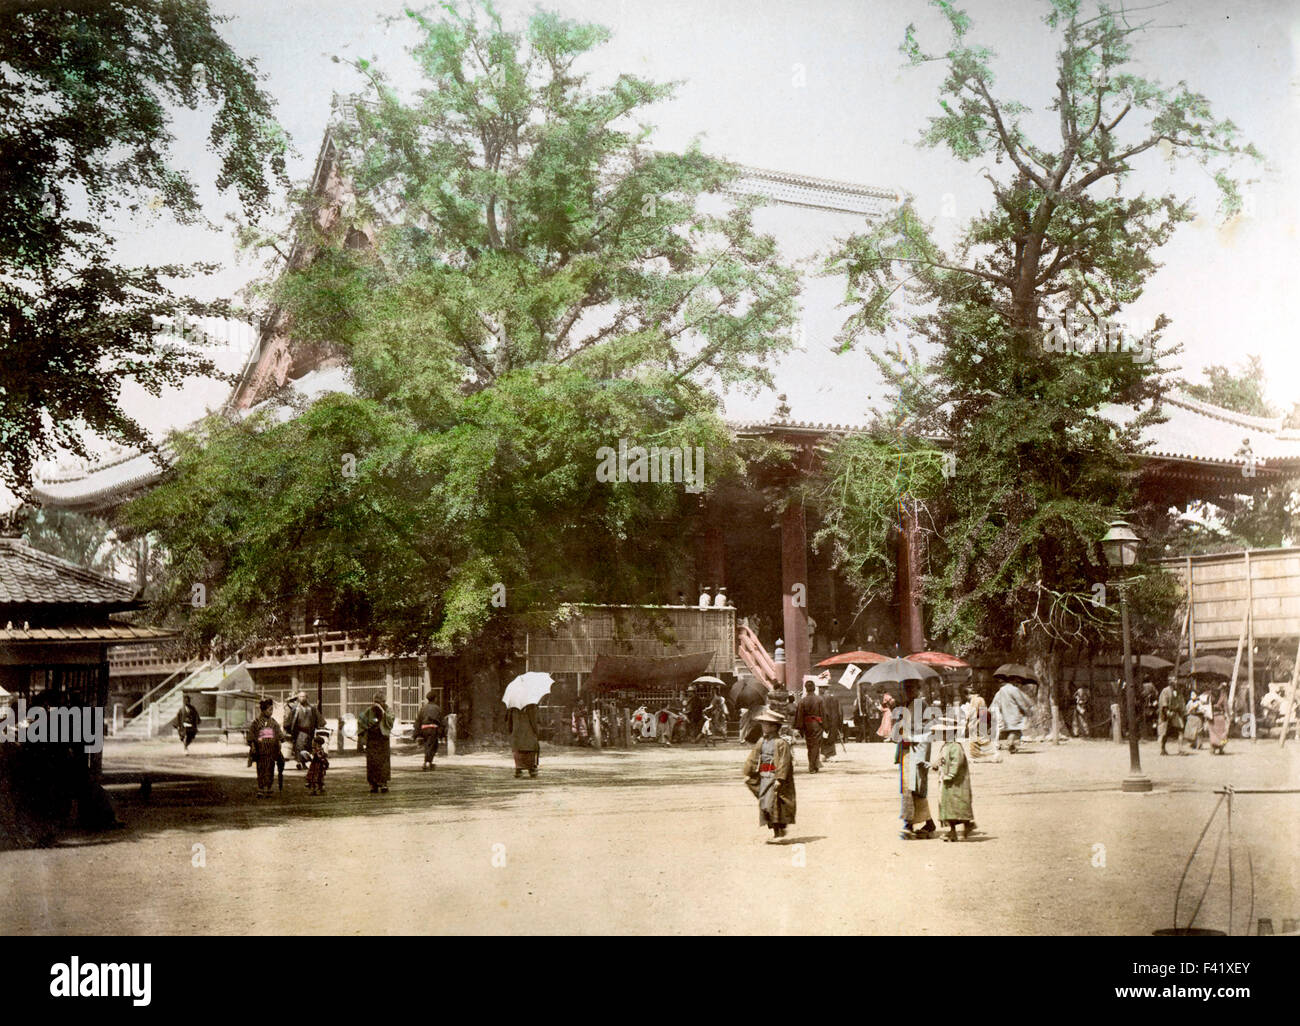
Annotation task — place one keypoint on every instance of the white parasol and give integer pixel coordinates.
(527, 689)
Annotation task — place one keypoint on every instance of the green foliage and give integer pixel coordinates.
(85, 540)
(85, 90)
(1041, 462)
(534, 286)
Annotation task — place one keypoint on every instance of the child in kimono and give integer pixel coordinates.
(955, 798)
(320, 762)
(264, 740)
(769, 774)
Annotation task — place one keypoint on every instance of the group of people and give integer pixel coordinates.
(1192, 717)
(692, 721)
(304, 727)
(769, 767)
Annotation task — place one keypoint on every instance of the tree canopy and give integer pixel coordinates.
(520, 286)
(85, 94)
(1021, 363)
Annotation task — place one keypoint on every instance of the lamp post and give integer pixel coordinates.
(1121, 547)
(320, 672)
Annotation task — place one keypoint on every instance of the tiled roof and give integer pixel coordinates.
(31, 577)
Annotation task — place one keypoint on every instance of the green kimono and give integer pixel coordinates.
(955, 799)
(769, 774)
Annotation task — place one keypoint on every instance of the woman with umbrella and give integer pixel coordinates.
(521, 698)
(913, 760)
(375, 727)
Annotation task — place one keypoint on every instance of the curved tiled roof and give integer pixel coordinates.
(29, 577)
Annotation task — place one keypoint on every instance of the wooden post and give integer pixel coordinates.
(1236, 665)
(1116, 728)
(1191, 614)
(794, 596)
(1250, 649)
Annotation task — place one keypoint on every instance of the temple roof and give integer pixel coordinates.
(29, 577)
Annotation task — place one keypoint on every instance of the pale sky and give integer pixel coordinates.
(853, 113)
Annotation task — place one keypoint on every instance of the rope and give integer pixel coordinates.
(1231, 888)
(1209, 879)
(1183, 878)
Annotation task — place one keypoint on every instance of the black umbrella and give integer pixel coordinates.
(1209, 665)
(1016, 670)
(745, 694)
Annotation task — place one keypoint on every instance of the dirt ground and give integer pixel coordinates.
(663, 841)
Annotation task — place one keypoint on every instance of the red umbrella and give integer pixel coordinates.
(940, 659)
(845, 658)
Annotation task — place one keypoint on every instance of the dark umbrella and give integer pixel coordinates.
(1016, 670)
(745, 694)
(1209, 665)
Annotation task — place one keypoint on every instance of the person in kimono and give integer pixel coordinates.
(1082, 698)
(643, 725)
(809, 719)
(375, 728)
(983, 747)
(1169, 713)
(716, 718)
(187, 723)
(955, 797)
(320, 762)
(912, 757)
(524, 743)
(1199, 712)
(428, 728)
(886, 729)
(264, 740)
(833, 715)
(1013, 708)
(1219, 724)
(769, 775)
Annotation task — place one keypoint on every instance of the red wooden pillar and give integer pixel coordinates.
(911, 619)
(794, 596)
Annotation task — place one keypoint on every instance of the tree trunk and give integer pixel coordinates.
(1045, 661)
(485, 698)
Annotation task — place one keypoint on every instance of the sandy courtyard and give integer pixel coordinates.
(661, 841)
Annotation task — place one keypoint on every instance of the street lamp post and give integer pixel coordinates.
(320, 672)
(1121, 545)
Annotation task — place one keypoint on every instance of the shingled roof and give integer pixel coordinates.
(32, 578)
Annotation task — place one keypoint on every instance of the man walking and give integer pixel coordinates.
(694, 714)
(1010, 705)
(1169, 712)
(301, 723)
(428, 727)
(809, 718)
(187, 723)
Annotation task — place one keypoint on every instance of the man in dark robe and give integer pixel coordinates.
(301, 725)
(428, 726)
(694, 714)
(374, 728)
(524, 743)
(833, 715)
(809, 719)
(187, 723)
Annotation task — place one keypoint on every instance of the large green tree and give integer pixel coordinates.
(86, 91)
(1019, 364)
(519, 283)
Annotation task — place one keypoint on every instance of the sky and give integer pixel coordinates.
(819, 88)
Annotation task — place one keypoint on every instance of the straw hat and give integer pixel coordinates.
(768, 716)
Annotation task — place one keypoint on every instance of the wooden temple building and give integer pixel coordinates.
(1200, 451)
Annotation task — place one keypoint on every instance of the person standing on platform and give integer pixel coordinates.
(524, 742)
(375, 728)
(264, 739)
(769, 774)
(809, 718)
(428, 728)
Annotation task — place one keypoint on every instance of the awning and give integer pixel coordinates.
(118, 634)
(649, 671)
